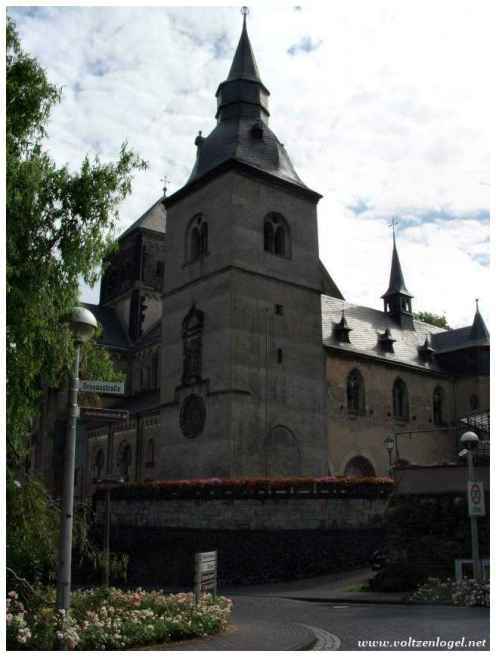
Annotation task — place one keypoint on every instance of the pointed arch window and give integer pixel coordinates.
(276, 235)
(355, 392)
(124, 460)
(192, 346)
(99, 463)
(150, 454)
(197, 239)
(400, 400)
(438, 405)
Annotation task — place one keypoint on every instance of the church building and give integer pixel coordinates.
(240, 355)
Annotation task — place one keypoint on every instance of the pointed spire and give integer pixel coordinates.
(244, 66)
(396, 279)
(479, 329)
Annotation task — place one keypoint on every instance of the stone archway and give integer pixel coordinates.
(359, 466)
(282, 453)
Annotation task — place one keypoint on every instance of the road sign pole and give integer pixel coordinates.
(473, 525)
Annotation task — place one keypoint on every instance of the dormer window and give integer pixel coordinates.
(426, 352)
(386, 342)
(342, 330)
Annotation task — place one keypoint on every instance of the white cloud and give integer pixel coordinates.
(389, 115)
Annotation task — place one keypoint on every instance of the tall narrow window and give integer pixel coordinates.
(269, 237)
(437, 405)
(400, 400)
(355, 392)
(276, 235)
(192, 346)
(197, 239)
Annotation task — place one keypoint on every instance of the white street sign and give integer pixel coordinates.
(476, 505)
(103, 387)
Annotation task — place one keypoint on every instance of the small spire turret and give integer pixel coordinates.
(397, 298)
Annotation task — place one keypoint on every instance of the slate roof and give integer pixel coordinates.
(367, 324)
(113, 335)
(245, 97)
(145, 221)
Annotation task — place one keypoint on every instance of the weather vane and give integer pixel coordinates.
(477, 304)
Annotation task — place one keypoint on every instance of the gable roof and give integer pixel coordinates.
(152, 219)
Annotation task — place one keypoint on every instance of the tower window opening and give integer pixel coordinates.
(279, 309)
(276, 235)
(279, 356)
(197, 239)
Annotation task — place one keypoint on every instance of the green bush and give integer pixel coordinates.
(111, 619)
(463, 593)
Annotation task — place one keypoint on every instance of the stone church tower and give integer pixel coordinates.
(243, 388)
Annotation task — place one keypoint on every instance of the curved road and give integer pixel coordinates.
(354, 623)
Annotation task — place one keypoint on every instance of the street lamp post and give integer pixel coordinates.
(389, 445)
(83, 325)
(470, 441)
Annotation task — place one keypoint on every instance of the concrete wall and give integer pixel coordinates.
(353, 435)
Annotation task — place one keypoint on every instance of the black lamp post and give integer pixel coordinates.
(389, 445)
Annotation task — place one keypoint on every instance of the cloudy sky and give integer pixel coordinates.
(382, 106)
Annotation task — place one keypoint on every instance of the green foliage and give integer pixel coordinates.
(110, 619)
(432, 318)
(32, 531)
(424, 536)
(60, 225)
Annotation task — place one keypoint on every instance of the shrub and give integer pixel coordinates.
(111, 619)
(463, 593)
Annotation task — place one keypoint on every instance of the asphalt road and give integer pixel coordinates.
(354, 623)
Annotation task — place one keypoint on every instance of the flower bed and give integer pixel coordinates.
(464, 593)
(359, 487)
(111, 619)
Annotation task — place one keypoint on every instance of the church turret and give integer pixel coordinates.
(242, 134)
(479, 329)
(397, 299)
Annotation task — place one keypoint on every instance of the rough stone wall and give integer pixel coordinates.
(353, 435)
(269, 514)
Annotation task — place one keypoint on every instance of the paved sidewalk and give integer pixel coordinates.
(250, 636)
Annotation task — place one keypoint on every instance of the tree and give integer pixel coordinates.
(59, 228)
(432, 318)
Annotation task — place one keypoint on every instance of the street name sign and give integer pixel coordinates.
(102, 387)
(104, 414)
(476, 505)
(205, 573)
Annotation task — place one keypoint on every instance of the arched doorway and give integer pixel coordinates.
(359, 466)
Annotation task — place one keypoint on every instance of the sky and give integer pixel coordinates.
(383, 108)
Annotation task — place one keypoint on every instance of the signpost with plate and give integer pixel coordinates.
(104, 414)
(102, 387)
(205, 573)
(476, 505)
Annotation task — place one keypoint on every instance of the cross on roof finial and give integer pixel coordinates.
(393, 224)
(477, 305)
(165, 180)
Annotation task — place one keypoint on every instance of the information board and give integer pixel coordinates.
(205, 573)
(476, 506)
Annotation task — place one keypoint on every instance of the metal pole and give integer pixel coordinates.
(63, 599)
(473, 525)
(107, 538)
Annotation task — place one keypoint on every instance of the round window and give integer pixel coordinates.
(192, 416)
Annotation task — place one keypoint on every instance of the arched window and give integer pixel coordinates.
(355, 392)
(437, 405)
(400, 400)
(150, 453)
(359, 466)
(268, 237)
(197, 239)
(276, 235)
(99, 463)
(124, 460)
